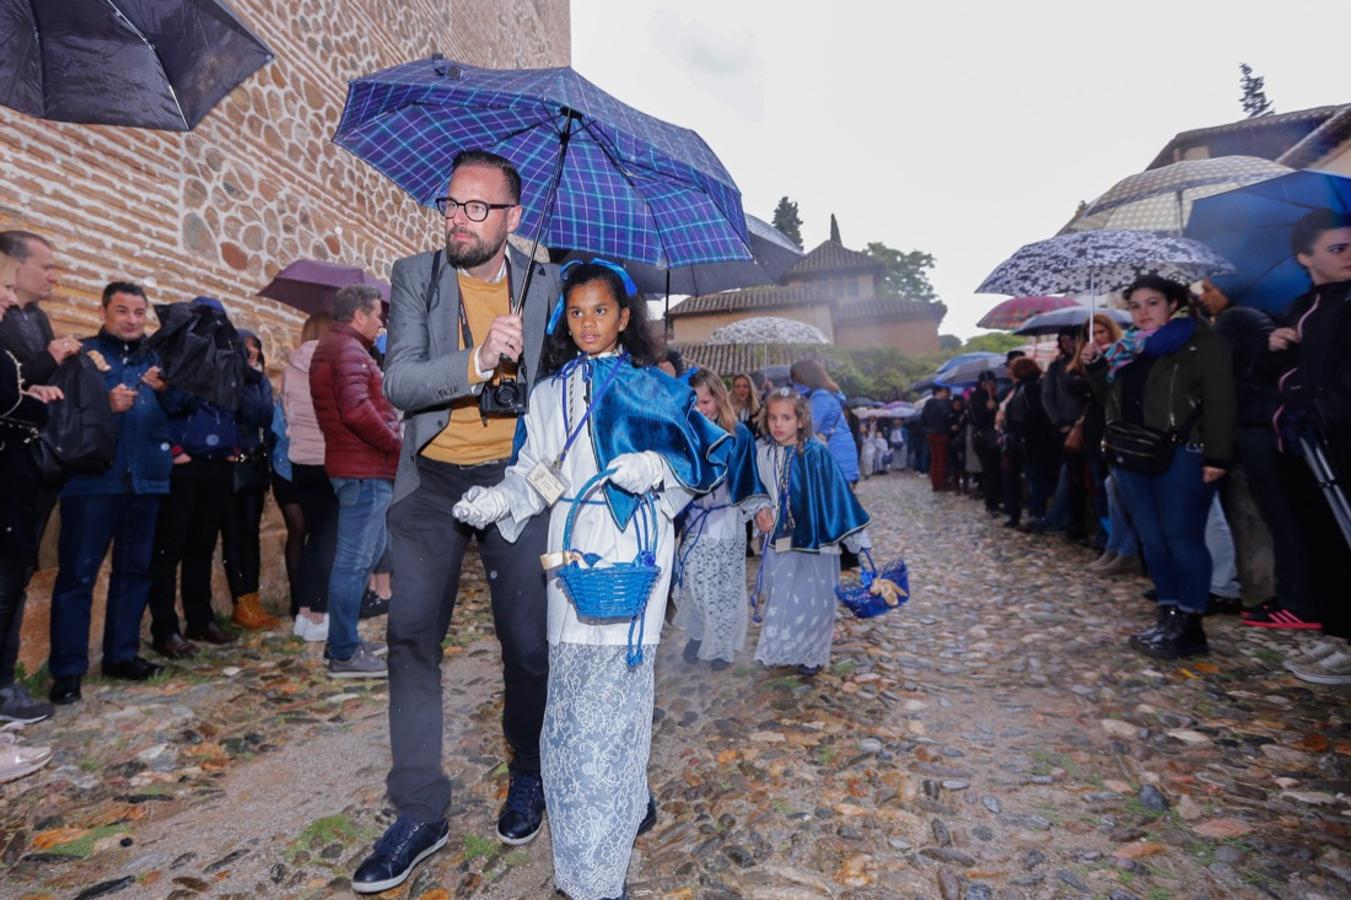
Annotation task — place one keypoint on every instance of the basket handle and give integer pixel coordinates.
(869, 574)
(647, 526)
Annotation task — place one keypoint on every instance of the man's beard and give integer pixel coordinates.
(469, 256)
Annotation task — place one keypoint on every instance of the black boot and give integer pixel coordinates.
(1161, 619)
(691, 652)
(1181, 637)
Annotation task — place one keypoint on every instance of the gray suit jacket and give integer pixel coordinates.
(424, 369)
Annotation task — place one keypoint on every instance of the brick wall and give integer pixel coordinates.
(695, 329)
(256, 185)
(912, 336)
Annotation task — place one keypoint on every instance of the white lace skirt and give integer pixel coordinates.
(800, 618)
(711, 600)
(593, 758)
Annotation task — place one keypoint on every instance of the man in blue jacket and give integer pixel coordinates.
(118, 507)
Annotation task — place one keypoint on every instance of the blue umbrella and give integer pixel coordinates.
(599, 176)
(975, 355)
(144, 63)
(1251, 227)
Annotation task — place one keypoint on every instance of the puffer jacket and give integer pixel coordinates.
(361, 428)
(302, 428)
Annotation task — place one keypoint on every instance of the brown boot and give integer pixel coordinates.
(249, 613)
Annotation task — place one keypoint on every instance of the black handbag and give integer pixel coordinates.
(1141, 449)
(80, 437)
(249, 473)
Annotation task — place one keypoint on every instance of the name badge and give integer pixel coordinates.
(783, 544)
(547, 483)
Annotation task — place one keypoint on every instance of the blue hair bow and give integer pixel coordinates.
(630, 288)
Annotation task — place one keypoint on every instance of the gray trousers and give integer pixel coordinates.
(427, 546)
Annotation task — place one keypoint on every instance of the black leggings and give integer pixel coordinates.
(319, 509)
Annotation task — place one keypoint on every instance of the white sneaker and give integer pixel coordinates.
(1335, 668)
(16, 761)
(1315, 653)
(312, 631)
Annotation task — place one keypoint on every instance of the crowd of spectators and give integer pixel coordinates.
(1125, 443)
(183, 474)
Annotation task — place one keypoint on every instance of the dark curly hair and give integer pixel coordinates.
(636, 337)
(1178, 295)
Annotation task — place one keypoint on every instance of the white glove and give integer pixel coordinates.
(481, 506)
(857, 542)
(637, 472)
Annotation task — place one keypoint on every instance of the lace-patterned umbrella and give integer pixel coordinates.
(767, 330)
(1161, 199)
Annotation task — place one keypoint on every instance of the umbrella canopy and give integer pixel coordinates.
(1252, 227)
(309, 285)
(772, 252)
(1016, 310)
(778, 375)
(598, 176)
(984, 356)
(143, 63)
(1074, 317)
(968, 373)
(767, 330)
(1095, 262)
(1161, 199)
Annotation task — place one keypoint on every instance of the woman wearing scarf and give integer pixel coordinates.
(1169, 377)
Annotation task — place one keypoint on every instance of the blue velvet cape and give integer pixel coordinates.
(646, 409)
(825, 510)
(743, 478)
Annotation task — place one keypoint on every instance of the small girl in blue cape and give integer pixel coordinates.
(710, 593)
(605, 406)
(813, 512)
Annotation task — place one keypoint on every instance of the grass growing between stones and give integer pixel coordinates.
(84, 845)
(322, 832)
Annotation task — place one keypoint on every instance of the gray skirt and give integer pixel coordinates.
(594, 749)
(800, 618)
(711, 599)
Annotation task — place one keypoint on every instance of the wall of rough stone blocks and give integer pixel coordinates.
(257, 184)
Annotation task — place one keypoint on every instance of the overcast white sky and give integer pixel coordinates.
(964, 129)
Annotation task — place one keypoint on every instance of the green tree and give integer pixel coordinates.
(835, 230)
(948, 342)
(786, 220)
(1254, 100)
(907, 274)
(995, 342)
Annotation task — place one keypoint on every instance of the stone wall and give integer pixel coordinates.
(255, 186)
(915, 337)
(695, 329)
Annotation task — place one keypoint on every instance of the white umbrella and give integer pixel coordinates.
(767, 330)
(1161, 199)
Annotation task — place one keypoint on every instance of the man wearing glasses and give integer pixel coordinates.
(453, 334)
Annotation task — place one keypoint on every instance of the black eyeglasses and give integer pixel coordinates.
(474, 210)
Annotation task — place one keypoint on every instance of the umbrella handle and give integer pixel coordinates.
(554, 181)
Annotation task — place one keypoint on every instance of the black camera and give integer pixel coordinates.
(506, 398)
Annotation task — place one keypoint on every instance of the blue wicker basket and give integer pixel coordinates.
(859, 598)
(618, 590)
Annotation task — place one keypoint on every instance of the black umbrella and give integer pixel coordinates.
(143, 63)
(200, 352)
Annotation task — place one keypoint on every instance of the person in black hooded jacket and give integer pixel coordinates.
(1312, 348)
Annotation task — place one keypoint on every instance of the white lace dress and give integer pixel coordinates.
(710, 595)
(598, 717)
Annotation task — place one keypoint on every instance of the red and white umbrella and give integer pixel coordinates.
(1013, 312)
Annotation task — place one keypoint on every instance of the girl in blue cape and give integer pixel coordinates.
(710, 592)
(606, 407)
(812, 512)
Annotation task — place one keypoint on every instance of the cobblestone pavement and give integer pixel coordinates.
(992, 739)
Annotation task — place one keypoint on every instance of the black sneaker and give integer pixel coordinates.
(522, 815)
(17, 706)
(691, 652)
(405, 844)
(372, 605)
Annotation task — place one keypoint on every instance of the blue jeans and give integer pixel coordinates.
(1121, 537)
(362, 504)
(89, 523)
(1223, 557)
(1170, 512)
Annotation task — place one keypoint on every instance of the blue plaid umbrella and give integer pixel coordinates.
(598, 175)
